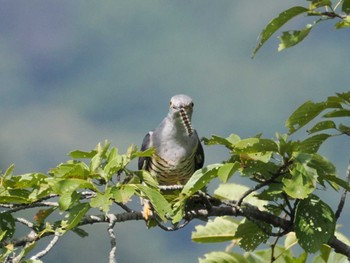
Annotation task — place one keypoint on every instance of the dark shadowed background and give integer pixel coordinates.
(74, 73)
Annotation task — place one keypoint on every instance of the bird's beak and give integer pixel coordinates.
(186, 121)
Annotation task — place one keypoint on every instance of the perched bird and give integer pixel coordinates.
(178, 150)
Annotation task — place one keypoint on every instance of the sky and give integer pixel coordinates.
(74, 73)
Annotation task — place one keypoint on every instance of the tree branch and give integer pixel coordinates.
(216, 208)
(343, 197)
(47, 249)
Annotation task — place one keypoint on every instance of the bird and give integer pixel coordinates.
(178, 150)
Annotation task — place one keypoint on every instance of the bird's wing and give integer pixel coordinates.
(143, 162)
(199, 157)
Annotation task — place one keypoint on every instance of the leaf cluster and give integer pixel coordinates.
(321, 10)
(286, 174)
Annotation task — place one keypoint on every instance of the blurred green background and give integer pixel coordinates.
(74, 73)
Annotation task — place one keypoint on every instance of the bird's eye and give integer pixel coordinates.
(192, 104)
(171, 103)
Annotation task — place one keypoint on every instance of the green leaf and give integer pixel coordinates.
(102, 200)
(123, 193)
(336, 180)
(344, 129)
(255, 145)
(114, 165)
(291, 38)
(77, 154)
(313, 143)
(7, 225)
(337, 113)
(217, 140)
(147, 153)
(200, 179)
(159, 203)
(71, 169)
(9, 171)
(321, 126)
(303, 115)
(70, 185)
(314, 223)
(76, 213)
(220, 229)
(277, 23)
(319, 3)
(223, 257)
(346, 6)
(147, 178)
(252, 235)
(68, 199)
(235, 191)
(301, 182)
(344, 96)
(96, 161)
(343, 23)
(227, 170)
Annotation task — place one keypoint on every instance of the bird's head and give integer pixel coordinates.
(181, 108)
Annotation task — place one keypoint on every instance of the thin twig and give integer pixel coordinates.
(343, 196)
(47, 249)
(112, 254)
(274, 176)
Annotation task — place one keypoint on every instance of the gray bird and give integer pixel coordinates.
(178, 150)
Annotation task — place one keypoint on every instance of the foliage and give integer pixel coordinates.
(318, 10)
(282, 204)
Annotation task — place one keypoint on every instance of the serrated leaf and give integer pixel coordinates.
(78, 154)
(319, 3)
(251, 235)
(102, 200)
(76, 213)
(68, 199)
(235, 191)
(303, 115)
(301, 182)
(114, 165)
(313, 143)
(200, 179)
(291, 38)
(255, 145)
(277, 23)
(9, 171)
(345, 96)
(7, 225)
(71, 170)
(344, 129)
(159, 203)
(222, 257)
(147, 178)
(70, 185)
(336, 180)
(344, 23)
(227, 170)
(337, 113)
(314, 223)
(227, 142)
(147, 153)
(123, 193)
(220, 229)
(321, 126)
